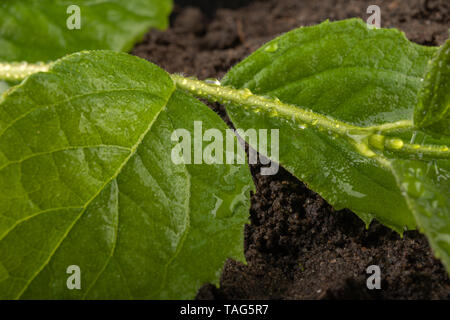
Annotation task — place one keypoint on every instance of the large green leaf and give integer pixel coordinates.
(34, 31)
(86, 179)
(426, 186)
(357, 75)
(433, 109)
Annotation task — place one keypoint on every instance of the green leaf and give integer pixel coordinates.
(432, 112)
(426, 186)
(86, 179)
(360, 77)
(37, 30)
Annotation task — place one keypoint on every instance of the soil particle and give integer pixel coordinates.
(297, 246)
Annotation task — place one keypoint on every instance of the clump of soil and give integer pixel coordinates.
(297, 246)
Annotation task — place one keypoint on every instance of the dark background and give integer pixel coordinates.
(297, 246)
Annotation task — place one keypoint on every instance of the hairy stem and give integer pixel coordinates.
(245, 98)
(16, 71)
(364, 138)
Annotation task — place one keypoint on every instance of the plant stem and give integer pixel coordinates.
(364, 138)
(16, 71)
(245, 98)
(434, 151)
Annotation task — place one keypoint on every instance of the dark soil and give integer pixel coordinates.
(297, 246)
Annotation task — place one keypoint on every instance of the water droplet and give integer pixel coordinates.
(213, 81)
(394, 143)
(272, 47)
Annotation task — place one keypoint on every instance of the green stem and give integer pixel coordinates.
(392, 126)
(245, 98)
(16, 71)
(364, 138)
(398, 145)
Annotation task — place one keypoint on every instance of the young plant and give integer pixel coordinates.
(86, 176)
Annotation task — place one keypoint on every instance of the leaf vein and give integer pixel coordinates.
(116, 173)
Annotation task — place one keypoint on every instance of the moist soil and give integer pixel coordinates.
(296, 245)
